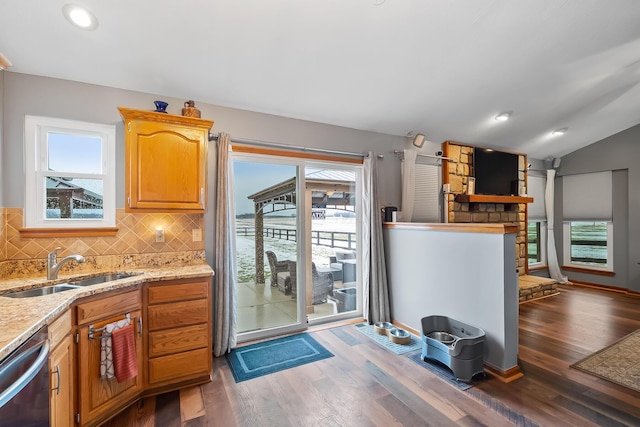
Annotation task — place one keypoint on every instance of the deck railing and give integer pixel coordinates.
(333, 239)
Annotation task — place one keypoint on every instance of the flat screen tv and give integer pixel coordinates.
(496, 172)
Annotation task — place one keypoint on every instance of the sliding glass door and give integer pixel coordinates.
(298, 228)
(334, 229)
(268, 249)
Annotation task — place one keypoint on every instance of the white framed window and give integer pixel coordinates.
(70, 173)
(587, 207)
(588, 244)
(537, 243)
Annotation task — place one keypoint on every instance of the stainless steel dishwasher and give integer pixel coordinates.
(24, 384)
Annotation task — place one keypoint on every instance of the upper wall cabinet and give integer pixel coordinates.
(165, 161)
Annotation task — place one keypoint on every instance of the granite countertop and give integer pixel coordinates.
(22, 317)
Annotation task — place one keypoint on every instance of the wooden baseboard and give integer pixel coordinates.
(606, 288)
(507, 376)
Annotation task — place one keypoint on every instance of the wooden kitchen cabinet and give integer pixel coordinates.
(178, 333)
(165, 161)
(62, 371)
(99, 399)
(173, 348)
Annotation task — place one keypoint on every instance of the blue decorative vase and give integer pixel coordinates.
(161, 106)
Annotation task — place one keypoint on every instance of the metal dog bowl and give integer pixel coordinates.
(443, 337)
(399, 336)
(382, 328)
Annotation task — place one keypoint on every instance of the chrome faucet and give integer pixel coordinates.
(53, 266)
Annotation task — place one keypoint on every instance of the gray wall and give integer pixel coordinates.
(2, 165)
(34, 95)
(618, 153)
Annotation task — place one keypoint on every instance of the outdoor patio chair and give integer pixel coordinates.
(276, 267)
(322, 284)
(287, 279)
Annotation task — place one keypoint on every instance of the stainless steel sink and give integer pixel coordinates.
(100, 279)
(47, 290)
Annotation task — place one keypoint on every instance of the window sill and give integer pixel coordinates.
(30, 233)
(538, 267)
(589, 271)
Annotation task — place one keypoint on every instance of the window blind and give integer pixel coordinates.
(536, 190)
(587, 196)
(427, 204)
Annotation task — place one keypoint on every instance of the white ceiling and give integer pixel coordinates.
(444, 68)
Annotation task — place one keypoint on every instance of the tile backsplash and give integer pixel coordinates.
(133, 244)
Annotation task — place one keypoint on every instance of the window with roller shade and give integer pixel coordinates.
(588, 221)
(537, 222)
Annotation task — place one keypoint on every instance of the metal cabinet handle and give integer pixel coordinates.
(140, 326)
(57, 388)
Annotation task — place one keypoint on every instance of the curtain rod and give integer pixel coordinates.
(398, 152)
(214, 137)
(543, 172)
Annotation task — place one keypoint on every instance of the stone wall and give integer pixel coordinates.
(460, 168)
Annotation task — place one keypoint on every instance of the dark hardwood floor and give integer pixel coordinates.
(367, 385)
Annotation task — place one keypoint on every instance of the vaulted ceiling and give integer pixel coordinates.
(437, 67)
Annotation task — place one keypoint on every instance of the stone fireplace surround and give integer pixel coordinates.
(485, 209)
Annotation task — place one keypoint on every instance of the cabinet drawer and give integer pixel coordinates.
(175, 367)
(159, 294)
(178, 314)
(178, 340)
(107, 306)
(59, 328)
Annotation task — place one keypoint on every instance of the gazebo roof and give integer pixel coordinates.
(329, 188)
(55, 185)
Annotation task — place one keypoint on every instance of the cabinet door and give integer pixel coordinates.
(98, 398)
(61, 363)
(167, 166)
(178, 327)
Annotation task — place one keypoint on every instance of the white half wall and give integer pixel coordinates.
(466, 275)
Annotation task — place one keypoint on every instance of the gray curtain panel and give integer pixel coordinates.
(225, 319)
(376, 289)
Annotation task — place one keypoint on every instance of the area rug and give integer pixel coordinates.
(618, 363)
(271, 356)
(443, 372)
(384, 341)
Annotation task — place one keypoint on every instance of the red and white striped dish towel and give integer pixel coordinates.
(107, 371)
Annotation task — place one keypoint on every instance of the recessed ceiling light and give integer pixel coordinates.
(80, 16)
(559, 132)
(503, 116)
